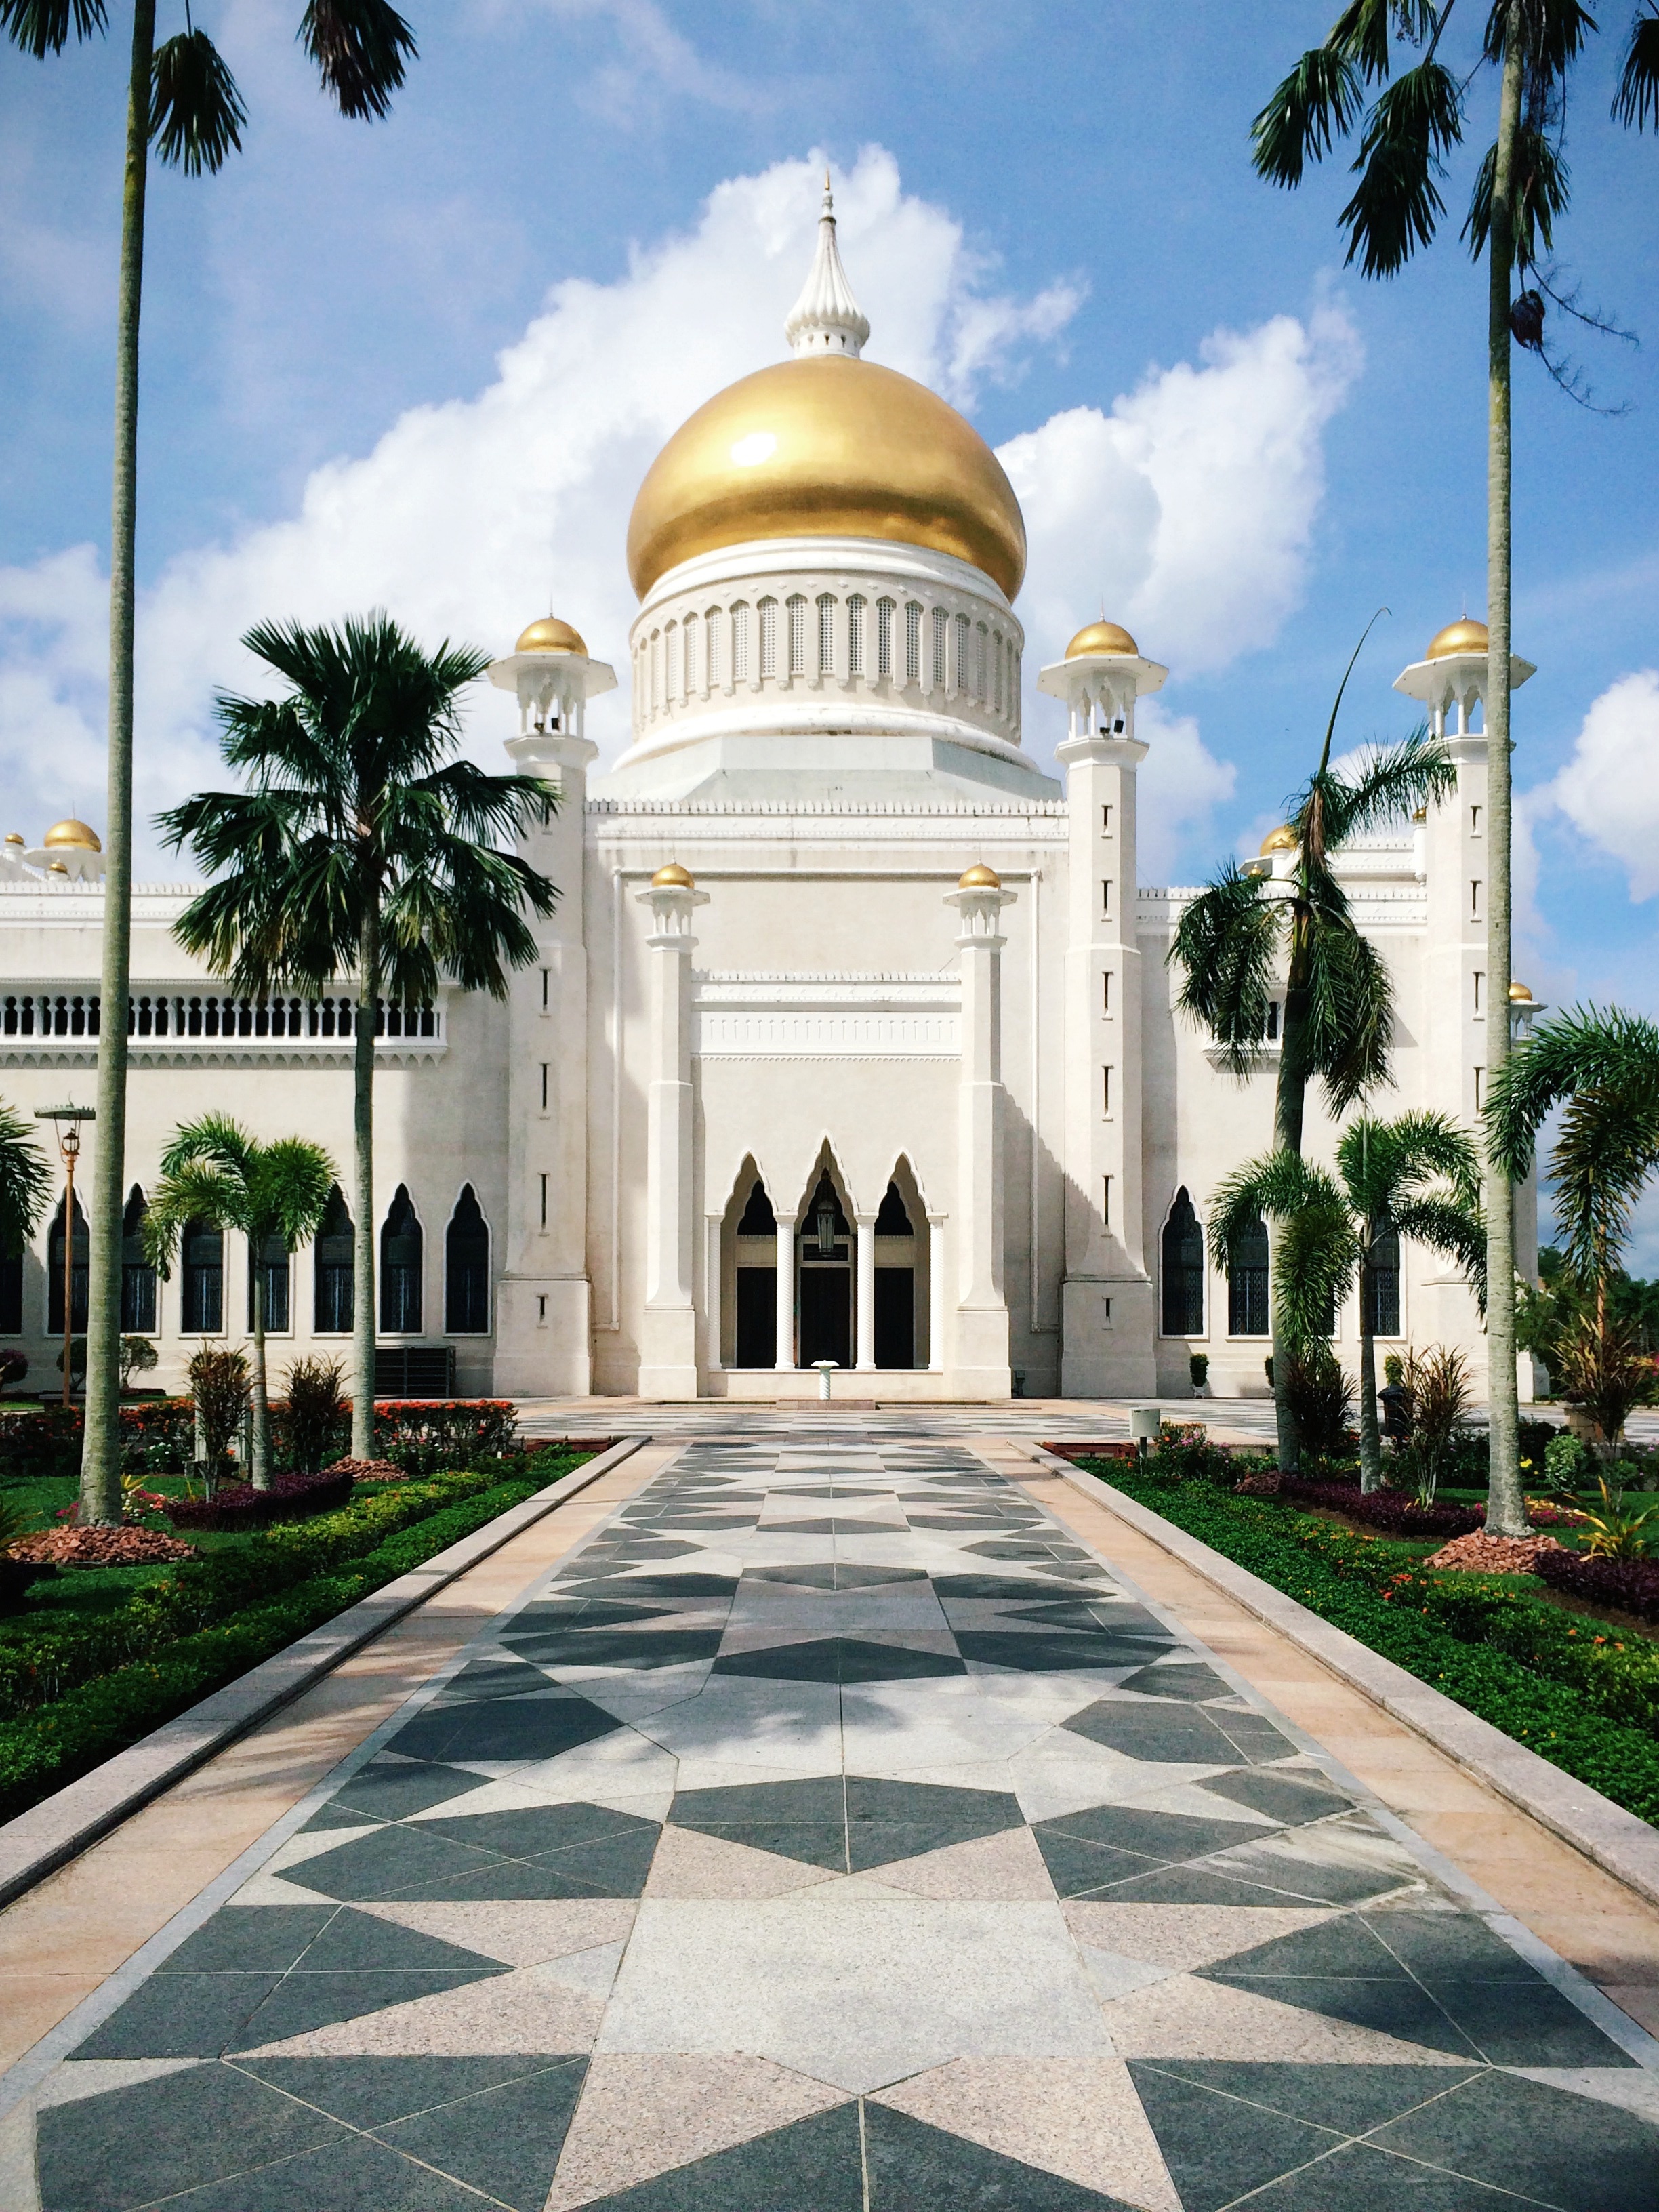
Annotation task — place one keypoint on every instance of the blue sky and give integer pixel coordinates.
(1076, 177)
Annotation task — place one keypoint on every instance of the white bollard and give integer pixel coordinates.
(826, 1368)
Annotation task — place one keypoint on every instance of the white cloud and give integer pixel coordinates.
(1609, 788)
(1189, 505)
(1178, 789)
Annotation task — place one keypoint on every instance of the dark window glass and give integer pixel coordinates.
(758, 1218)
(333, 1304)
(758, 1316)
(1385, 1316)
(1247, 1283)
(138, 1276)
(466, 1268)
(272, 1265)
(1183, 1270)
(204, 1279)
(893, 1221)
(11, 1296)
(895, 1317)
(402, 1249)
(79, 1261)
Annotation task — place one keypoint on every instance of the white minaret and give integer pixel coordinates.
(543, 1308)
(1450, 682)
(1106, 1320)
(979, 1354)
(668, 1343)
(827, 319)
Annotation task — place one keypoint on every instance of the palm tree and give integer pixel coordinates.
(1605, 1066)
(356, 850)
(1416, 1178)
(182, 99)
(1520, 189)
(1339, 1000)
(214, 1171)
(25, 1182)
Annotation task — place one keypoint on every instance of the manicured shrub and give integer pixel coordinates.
(240, 1505)
(1392, 1511)
(1631, 1585)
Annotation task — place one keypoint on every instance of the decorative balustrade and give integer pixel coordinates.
(204, 1019)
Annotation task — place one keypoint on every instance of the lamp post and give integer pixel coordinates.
(66, 1121)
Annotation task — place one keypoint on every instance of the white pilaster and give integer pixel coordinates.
(866, 1226)
(980, 1361)
(714, 1274)
(785, 1362)
(935, 1294)
(668, 1346)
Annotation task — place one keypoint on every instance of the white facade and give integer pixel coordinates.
(981, 1086)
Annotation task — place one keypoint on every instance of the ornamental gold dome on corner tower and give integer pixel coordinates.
(827, 445)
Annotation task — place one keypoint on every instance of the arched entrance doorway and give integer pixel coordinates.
(823, 1242)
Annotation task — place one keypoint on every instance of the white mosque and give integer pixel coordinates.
(852, 1039)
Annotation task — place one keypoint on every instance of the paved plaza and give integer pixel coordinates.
(833, 1831)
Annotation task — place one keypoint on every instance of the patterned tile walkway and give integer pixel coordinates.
(832, 1832)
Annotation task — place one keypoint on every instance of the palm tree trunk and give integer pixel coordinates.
(1289, 1099)
(100, 1458)
(1371, 1443)
(1506, 1507)
(261, 1453)
(363, 1227)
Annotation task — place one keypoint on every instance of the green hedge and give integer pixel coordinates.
(214, 1619)
(1586, 1700)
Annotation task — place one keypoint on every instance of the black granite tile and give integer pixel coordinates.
(1167, 1835)
(505, 1675)
(621, 1647)
(1447, 1945)
(133, 2145)
(610, 1866)
(537, 1619)
(1358, 2178)
(1178, 1735)
(1513, 2025)
(816, 1798)
(529, 1831)
(1186, 1679)
(839, 1659)
(333, 1814)
(354, 1940)
(1217, 2147)
(1349, 2099)
(1399, 2009)
(389, 1862)
(813, 2166)
(1293, 1797)
(914, 2167)
(505, 1729)
(835, 1575)
(180, 2016)
(1345, 1944)
(1078, 1867)
(355, 2175)
(819, 1844)
(368, 2093)
(1322, 1881)
(687, 1584)
(505, 2140)
(301, 2002)
(251, 1939)
(1053, 1652)
(393, 1789)
(1574, 2153)
(1200, 1882)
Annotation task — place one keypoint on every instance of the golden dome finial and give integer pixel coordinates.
(1463, 635)
(1282, 839)
(73, 834)
(547, 634)
(1102, 636)
(978, 877)
(673, 877)
(1519, 994)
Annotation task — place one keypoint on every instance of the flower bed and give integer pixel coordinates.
(1632, 1585)
(99, 1548)
(1587, 1701)
(1394, 1512)
(240, 1505)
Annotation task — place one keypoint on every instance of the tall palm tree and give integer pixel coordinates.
(183, 100)
(214, 1172)
(1605, 1067)
(1520, 189)
(1339, 1000)
(356, 851)
(25, 1182)
(1415, 1177)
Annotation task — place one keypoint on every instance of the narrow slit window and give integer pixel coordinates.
(1480, 981)
(883, 637)
(964, 672)
(855, 634)
(1105, 821)
(740, 642)
(1474, 822)
(1475, 899)
(671, 662)
(546, 975)
(911, 641)
(941, 647)
(797, 635)
(768, 638)
(826, 634)
(1106, 993)
(1106, 896)
(711, 674)
(1273, 1021)
(543, 1086)
(1106, 1201)
(1106, 1090)
(690, 650)
(544, 1183)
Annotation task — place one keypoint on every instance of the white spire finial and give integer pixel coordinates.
(827, 319)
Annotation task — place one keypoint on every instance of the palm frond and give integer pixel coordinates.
(1389, 785)
(1553, 33)
(1586, 1049)
(1348, 1022)
(1272, 1188)
(1606, 1148)
(288, 1190)
(1362, 30)
(43, 26)
(1397, 204)
(1226, 946)
(1315, 1258)
(25, 1182)
(1457, 1231)
(216, 1138)
(1636, 100)
(195, 112)
(1541, 190)
(199, 1190)
(359, 48)
(1318, 103)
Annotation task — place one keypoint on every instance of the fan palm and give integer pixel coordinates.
(214, 1171)
(356, 850)
(1416, 1178)
(1602, 1069)
(1521, 189)
(1338, 999)
(182, 100)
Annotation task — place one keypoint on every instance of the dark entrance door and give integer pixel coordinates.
(826, 1316)
(895, 1317)
(758, 1316)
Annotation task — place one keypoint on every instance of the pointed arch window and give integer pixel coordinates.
(892, 1220)
(274, 1265)
(1247, 1283)
(758, 1218)
(11, 1292)
(1182, 1270)
(334, 1300)
(79, 1260)
(203, 1248)
(1384, 1316)
(138, 1276)
(466, 1268)
(401, 1255)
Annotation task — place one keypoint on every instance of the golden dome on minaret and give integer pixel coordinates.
(1464, 636)
(673, 877)
(827, 446)
(1282, 839)
(550, 634)
(1102, 636)
(1519, 994)
(980, 878)
(72, 833)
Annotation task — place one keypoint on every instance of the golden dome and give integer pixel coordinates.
(1519, 994)
(56, 868)
(16, 837)
(1282, 839)
(827, 446)
(1102, 636)
(673, 877)
(72, 833)
(1464, 636)
(550, 634)
(978, 877)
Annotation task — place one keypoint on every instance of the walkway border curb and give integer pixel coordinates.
(61, 1826)
(1619, 1842)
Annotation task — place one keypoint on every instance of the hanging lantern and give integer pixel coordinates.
(824, 1215)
